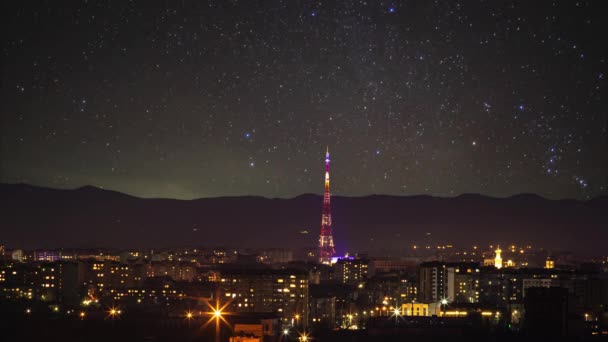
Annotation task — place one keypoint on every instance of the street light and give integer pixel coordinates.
(114, 312)
(443, 303)
(397, 314)
(217, 314)
(285, 335)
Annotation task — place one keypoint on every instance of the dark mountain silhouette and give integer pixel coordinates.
(37, 217)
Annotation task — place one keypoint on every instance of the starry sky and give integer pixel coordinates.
(187, 99)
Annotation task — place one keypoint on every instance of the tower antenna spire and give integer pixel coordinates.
(326, 240)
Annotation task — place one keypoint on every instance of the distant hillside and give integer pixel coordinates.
(35, 217)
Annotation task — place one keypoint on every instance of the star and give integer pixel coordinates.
(382, 91)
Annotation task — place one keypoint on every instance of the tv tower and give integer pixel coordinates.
(326, 240)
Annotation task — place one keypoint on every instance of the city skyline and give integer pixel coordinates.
(165, 171)
(488, 290)
(207, 99)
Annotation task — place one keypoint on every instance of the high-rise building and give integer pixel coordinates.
(283, 291)
(454, 282)
(433, 278)
(326, 240)
(351, 270)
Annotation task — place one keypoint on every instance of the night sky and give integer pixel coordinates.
(242, 97)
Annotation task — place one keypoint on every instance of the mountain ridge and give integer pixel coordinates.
(92, 188)
(38, 217)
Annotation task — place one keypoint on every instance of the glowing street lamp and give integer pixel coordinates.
(396, 314)
(82, 314)
(189, 316)
(285, 335)
(114, 312)
(297, 317)
(217, 314)
(443, 303)
(304, 337)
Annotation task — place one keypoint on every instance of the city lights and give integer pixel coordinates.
(452, 291)
(161, 169)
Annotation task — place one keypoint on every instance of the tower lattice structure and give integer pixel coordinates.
(326, 239)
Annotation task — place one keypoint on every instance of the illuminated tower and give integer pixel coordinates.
(326, 240)
(498, 259)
